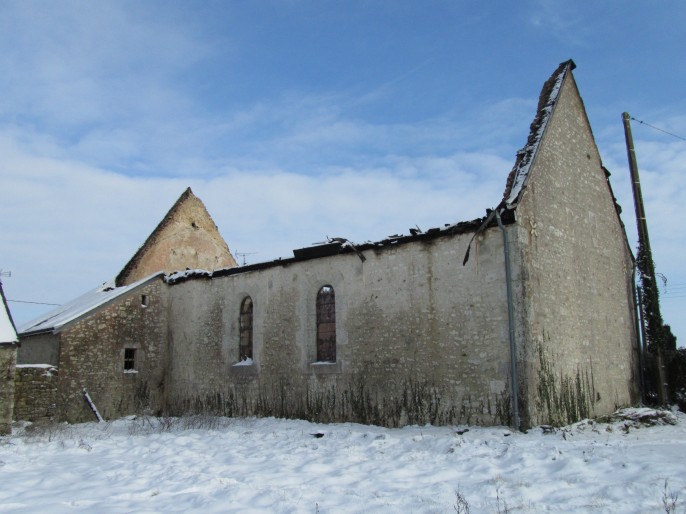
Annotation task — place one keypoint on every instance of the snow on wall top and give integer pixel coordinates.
(526, 156)
(76, 308)
(8, 335)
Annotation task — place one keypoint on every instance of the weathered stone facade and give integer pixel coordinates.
(8, 360)
(35, 393)
(185, 238)
(419, 336)
(92, 353)
(405, 353)
(575, 295)
(93, 350)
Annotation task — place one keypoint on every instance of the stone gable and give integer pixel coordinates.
(187, 237)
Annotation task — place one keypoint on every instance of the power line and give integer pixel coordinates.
(657, 128)
(36, 303)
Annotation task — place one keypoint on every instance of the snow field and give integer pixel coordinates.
(271, 465)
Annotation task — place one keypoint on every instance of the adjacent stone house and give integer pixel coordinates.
(109, 340)
(522, 317)
(8, 360)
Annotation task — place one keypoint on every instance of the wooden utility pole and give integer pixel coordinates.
(643, 238)
(650, 304)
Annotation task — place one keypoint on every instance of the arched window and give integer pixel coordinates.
(245, 330)
(326, 325)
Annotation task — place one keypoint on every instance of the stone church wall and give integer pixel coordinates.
(420, 338)
(580, 354)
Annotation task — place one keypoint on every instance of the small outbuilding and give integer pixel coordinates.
(8, 360)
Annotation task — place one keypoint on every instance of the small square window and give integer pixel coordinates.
(129, 359)
(144, 300)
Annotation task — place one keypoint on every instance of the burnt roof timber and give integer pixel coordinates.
(431, 234)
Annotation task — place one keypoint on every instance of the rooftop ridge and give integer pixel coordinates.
(518, 177)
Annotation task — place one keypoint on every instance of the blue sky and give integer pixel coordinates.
(293, 120)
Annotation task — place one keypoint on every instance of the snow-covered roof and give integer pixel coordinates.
(57, 318)
(516, 181)
(8, 334)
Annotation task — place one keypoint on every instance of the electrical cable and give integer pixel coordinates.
(656, 128)
(37, 303)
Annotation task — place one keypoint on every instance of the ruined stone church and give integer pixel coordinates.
(522, 317)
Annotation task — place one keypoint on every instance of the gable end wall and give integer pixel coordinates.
(187, 238)
(580, 349)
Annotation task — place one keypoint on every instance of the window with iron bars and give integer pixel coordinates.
(129, 359)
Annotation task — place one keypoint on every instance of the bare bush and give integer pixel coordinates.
(461, 505)
(142, 425)
(670, 499)
(48, 431)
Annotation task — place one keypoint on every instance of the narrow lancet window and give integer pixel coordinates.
(326, 325)
(245, 329)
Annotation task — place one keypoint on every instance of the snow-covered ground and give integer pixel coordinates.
(271, 465)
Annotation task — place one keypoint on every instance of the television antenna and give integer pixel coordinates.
(241, 256)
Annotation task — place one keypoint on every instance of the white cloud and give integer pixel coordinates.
(79, 61)
(101, 79)
(559, 18)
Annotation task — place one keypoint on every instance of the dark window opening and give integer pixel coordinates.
(129, 359)
(245, 329)
(144, 300)
(326, 325)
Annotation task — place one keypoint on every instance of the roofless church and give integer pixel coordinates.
(522, 317)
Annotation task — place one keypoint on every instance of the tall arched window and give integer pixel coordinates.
(326, 325)
(245, 330)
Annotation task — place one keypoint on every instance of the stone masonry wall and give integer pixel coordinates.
(420, 338)
(93, 350)
(35, 395)
(8, 360)
(575, 303)
(188, 239)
